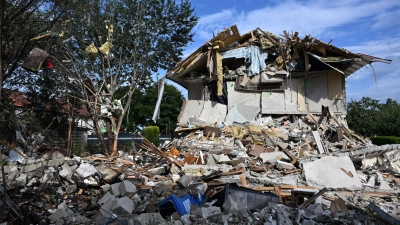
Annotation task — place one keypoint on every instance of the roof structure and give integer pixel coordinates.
(271, 53)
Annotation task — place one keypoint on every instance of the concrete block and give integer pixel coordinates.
(393, 159)
(107, 197)
(185, 219)
(21, 180)
(272, 157)
(66, 171)
(58, 155)
(177, 222)
(55, 162)
(62, 212)
(108, 174)
(157, 170)
(30, 168)
(315, 209)
(327, 172)
(209, 211)
(307, 222)
(71, 188)
(159, 189)
(106, 187)
(123, 206)
(230, 205)
(30, 161)
(31, 182)
(85, 170)
(106, 208)
(185, 180)
(126, 188)
(284, 165)
(115, 189)
(149, 218)
(6, 169)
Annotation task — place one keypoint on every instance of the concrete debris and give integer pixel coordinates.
(326, 172)
(255, 153)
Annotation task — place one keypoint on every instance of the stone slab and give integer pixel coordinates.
(327, 172)
(272, 157)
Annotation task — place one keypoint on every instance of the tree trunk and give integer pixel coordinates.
(100, 135)
(115, 144)
(110, 136)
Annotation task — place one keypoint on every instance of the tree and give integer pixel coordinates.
(117, 43)
(142, 107)
(24, 24)
(369, 117)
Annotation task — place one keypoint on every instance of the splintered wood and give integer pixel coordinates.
(147, 145)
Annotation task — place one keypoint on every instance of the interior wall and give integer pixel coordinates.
(195, 90)
(241, 97)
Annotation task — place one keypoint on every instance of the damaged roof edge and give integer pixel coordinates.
(225, 38)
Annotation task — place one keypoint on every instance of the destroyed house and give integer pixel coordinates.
(260, 73)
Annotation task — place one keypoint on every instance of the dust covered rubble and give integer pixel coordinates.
(269, 174)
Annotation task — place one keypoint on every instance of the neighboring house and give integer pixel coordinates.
(81, 117)
(260, 73)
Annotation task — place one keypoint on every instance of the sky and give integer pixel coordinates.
(370, 27)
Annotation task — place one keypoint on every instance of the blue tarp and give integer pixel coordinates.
(253, 54)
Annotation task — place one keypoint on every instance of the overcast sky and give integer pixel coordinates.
(361, 26)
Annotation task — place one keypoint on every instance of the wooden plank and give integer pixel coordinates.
(335, 85)
(339, 132)
(243, 180)
(190, 159)
(347, 172)
(285, 194)
(291, 171)
(264, 188)
(278, 192)
(287, 186)
(311, 118)
(312, 199)
(301, 101)
(308, 65)
(239, 171)
(294, 160)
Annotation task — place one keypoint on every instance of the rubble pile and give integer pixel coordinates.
(285, 170)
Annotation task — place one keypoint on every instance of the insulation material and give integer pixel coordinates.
(105, 48)
(301, 102)
(219, 73)
(335, 85)
(91, 50)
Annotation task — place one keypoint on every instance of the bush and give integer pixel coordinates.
(152, 133)
(383, 140)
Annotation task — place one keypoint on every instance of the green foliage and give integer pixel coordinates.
(383, 140)
(143, 103)
(78, 148)
(369, 117)
(152, 133)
